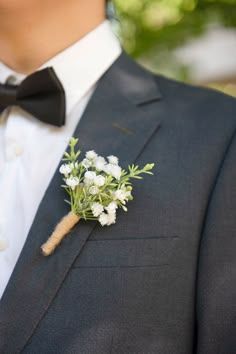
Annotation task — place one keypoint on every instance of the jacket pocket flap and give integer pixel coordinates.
(145, 252)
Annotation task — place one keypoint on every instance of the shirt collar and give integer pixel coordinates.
(79, 66)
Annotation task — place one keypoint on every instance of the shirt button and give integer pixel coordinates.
(11, 80)
(18, 149)
(13, 150)
(3, 244)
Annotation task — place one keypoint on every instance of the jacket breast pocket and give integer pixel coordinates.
(126, 253)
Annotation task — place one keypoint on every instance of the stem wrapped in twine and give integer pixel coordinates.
(61, 230)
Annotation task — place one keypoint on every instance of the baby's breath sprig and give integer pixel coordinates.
(96, 187)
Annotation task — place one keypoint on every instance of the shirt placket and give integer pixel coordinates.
(11, 203)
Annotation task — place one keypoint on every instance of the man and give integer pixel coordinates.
(162, 279)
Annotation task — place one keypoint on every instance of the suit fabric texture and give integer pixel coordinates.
(162, 279)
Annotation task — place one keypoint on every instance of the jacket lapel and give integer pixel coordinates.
(113, 123)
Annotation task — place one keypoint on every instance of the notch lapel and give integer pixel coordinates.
(113, 123)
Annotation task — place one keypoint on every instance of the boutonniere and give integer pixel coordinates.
(96, 187)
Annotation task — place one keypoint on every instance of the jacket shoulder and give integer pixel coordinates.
(202, 99)
(180, 101)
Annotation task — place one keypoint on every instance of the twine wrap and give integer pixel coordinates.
(61, 230)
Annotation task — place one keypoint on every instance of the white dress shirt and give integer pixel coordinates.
(31, 150)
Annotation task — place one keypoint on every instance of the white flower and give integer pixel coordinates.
(116, 172)
(66, 169)
(113, 170)
(99, 180)
(113, 159)
(93, 190)
(89, 177)
(72, 182)
(100, 163)
(86, 163)
(97, 209)
(107, 219)
(111, 218)
(103, 219)
(122, 195)
(91, 155)
(111, 208)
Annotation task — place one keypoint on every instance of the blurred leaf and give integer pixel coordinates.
(154, 28)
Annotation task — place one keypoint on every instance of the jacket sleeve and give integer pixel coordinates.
(216, 281)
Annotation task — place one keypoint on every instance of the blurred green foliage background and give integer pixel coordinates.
(151, 30)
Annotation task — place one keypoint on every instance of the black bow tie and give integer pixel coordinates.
(41, 94)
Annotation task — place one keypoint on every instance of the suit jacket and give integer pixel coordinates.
(163, 278)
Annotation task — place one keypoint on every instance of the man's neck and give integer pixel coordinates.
(30, 37)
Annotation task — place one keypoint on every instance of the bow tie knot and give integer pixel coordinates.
(41, 94)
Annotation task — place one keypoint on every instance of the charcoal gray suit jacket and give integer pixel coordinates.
(163, 278)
